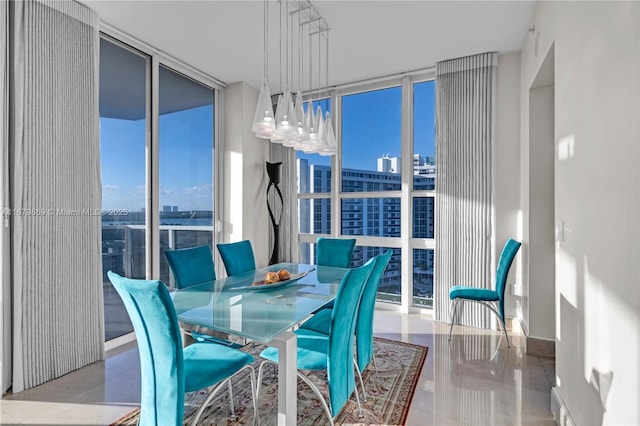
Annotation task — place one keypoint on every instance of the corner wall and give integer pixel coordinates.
(597, 197)
(245, 215)
(507, 162)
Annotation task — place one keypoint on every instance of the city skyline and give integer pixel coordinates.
(371, 120)
(376, 217)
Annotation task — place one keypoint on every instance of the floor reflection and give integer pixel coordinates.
(473, 380)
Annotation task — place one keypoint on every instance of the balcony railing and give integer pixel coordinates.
(124, 252)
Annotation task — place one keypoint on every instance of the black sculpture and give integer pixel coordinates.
(273, 170)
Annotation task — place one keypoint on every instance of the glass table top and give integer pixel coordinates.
(259, 315)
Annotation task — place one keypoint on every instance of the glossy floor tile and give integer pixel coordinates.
(473, 380)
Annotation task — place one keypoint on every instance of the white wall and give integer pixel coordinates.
(540, 248)
(507, 161)
(597, 98)
(244, 208)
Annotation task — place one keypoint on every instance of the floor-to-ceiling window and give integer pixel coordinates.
(383, 193)
(157, 159)
(314, 193)
(371, 135)
(186, 129)
(423, 195)
(124, 122)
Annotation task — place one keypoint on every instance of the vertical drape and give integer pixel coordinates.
(5, 266)
(56, 193)
(288, 185)
(464, 191)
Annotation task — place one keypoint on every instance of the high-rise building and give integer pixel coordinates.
(380, 217)
(389, 164)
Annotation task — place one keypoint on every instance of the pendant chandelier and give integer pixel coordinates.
(310, 131)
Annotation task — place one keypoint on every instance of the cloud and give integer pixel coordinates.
(198, 188)
(110, 189)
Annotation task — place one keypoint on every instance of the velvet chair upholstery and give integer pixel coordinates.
(237, 257)
(364, 323)
(485, 296)
(336, 252)
(333, 351)
(168, 370)
(191, 266)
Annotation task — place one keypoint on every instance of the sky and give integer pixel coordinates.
(371, 128)
(185, 168)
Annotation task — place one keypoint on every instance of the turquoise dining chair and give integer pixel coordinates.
(336, 252)
(192, 266)
(364, 323)
(332, 352)
(237, 257)
(484, 296)
(168, 370)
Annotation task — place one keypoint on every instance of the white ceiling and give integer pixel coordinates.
(368, 38)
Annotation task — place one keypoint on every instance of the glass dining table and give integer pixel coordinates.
(244, 306)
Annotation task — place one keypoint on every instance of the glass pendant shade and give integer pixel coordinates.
(315, 135)
(312, 122)
(275, 138)
(286, 122)
(331, 147)
(303, 130)
(264, 125)
(320, 126)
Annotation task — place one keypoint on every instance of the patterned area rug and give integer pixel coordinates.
(389, 393)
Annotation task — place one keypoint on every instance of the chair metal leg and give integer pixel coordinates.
(486, 305)
(260, 370)
(254, 394)
(500, 320)
(315, 390)
(452, 316)
(359, 406)
(304, 378)
(364, 393)
(219, 386)
(504, 330)
(375, 364)
(233, 409)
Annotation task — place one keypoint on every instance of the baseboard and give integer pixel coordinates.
(560, 412)
(533, 345)
(116, 343)
(540, 347)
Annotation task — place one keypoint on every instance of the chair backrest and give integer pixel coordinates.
(340, 374)
(504, 264)
(160, 346)
(237, 257)
(191, 266)
(364, 322)
(336, 252)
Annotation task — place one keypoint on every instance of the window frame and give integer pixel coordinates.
(405, 242)
(158, 58)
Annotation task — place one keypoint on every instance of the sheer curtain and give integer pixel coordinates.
(57, 316)
(5, 267)
(464, 234)
(288, 250)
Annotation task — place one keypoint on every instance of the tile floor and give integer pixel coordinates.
(475, 380)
